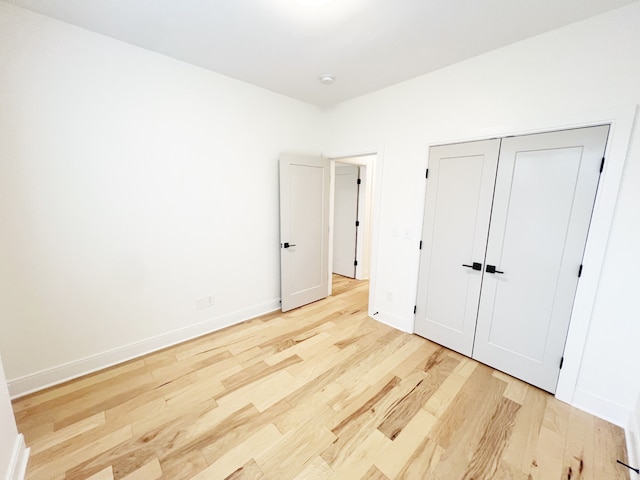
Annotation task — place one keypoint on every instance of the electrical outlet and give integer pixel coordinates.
(205, 302)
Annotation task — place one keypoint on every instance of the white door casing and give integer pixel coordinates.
(457, 213)
(304, 229)
(344, 219)
(544, 196)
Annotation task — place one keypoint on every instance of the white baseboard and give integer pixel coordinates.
(632, 433)
(601, 407)
(19, 458)
(390, 319)
(19, 387)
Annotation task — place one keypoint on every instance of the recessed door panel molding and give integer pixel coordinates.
(304, 229)
(544, 196)
(521, 231)
(457, 212)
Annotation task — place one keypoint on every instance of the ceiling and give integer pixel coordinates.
(284, 46)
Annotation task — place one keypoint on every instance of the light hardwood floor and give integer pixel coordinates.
(319, 392)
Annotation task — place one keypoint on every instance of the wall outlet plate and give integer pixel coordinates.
(205, 302)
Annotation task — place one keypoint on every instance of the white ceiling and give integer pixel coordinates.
(284, 46)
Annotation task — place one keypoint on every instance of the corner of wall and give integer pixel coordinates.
(391, 320)
(632, 434)
(18, 463)
(52, 376)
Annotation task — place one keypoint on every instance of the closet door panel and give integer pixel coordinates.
(457, 211)
(545, 189)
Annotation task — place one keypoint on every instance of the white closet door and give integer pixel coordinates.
(457, 212)
(544, 195)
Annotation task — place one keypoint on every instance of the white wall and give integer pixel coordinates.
(13, 455)
(588, 66)
(130, 185)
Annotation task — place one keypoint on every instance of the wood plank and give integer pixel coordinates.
(55, 461)
(403, 449)
(149, 471)
(409, 405)
(497, 430)
(188, 466)
(374, 474)
(316, 469)
(249, 471)
(319, 392)
(521, 448)
(106, 474)
(230, 460)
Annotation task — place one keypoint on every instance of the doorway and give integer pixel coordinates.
(351, 215)
(307, 199)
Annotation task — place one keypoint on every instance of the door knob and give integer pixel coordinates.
(287, 245)
(492, 269)
(475, 266)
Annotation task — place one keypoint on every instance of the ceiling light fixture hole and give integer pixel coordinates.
(327, 79)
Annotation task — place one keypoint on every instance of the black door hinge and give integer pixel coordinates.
(357, 223)
(415, 307)
(580, 271)
(420, 245)
(426, 175)
(602, 165)
(561, 362)
(355, 263)
(359, 181)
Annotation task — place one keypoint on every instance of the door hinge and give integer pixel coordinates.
(426, 175)
(415, 307)
(359, 181)
(420, 245)
(602, 165)
(561, 362)
(355, 263)
(580, 271)
(357, 223)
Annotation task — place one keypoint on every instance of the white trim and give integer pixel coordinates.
(19, 458)
(53, 376)
(632, 434)
(389, 319)
(621, 120)
(601, 407)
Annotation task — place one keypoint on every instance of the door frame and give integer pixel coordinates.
(621, 121)
(365, 212)
(372, 161)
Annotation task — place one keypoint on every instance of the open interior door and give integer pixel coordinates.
(345, 220)
(304, 229)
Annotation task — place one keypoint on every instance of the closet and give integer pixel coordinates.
(505, 227)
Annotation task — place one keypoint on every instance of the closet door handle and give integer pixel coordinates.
(475, 266)
(492, 269)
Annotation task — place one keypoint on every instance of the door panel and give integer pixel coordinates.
(457, 212)
(344, 220)
(544, 194)
(304, 229)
